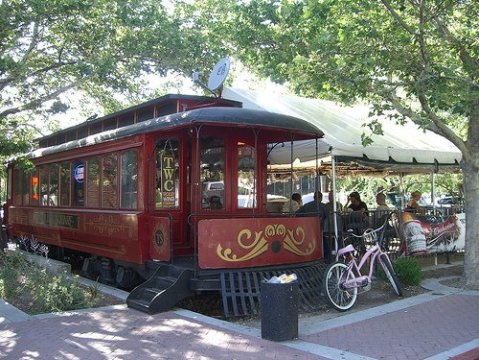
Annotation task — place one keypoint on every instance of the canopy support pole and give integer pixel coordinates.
(291, 185)
(317, 185)
(433, 191)
(335, 209)
(401, 191)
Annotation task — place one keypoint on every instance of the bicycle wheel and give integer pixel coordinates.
(389, 271)
(341, 298)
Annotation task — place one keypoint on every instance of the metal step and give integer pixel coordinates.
(162, 290)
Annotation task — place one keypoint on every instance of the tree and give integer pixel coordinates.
(98, 47)
(414, 60)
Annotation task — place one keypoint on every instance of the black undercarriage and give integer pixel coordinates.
(158, 286)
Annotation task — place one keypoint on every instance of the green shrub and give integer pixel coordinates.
(408, 271)
(12, 270)
(56, 293)
(33, 290)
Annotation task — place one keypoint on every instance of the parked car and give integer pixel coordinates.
(448, 201)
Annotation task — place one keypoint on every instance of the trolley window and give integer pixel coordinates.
(246, 176)
(212, 165)
(110, 181)
(17, 175)
(129, 175)
(65, 180)
(53, 186)
(126, 120)
(35, 189)
(43, 174)
(93, 183)
(9, 183)
(167, 174)
(78, 172)
(26, 187)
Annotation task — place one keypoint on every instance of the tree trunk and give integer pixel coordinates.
(471, 251)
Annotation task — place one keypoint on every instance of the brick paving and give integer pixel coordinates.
(432, 327)
(417, 332)
(129, 334)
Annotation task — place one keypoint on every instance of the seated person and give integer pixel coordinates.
(357, 219)
(315, 207)
(413, 203)
(215, 202)
(293, 204)
(355, 203)
(382, 210)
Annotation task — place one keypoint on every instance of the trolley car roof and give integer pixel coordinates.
(211, 115)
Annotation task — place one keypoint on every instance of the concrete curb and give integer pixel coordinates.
(434, 284)
(9, 313)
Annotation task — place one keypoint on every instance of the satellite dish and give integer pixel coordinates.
(219, 74)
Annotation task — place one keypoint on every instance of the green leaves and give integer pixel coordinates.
(361, 50)
(49, 47)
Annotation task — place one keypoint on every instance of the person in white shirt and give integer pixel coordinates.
(381, 210)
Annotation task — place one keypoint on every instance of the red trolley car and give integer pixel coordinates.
(174, 192)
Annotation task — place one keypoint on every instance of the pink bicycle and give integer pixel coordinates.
(343, 277)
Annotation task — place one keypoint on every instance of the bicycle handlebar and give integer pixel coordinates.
(370, 234)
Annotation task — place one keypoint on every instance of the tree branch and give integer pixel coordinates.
(53, 66)
(32, 45)
(441, 128)
(5, 82)
(467, 59)
(41, 100)
(397, 17)
(422, 45)
(436, 126)
(35, 128)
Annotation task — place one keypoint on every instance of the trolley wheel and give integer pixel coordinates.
(390, 274)
(336, 274)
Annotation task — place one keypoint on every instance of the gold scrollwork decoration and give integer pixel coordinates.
(294, 239)
(258, 246)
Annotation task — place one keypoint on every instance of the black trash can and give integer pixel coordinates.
(279, 311)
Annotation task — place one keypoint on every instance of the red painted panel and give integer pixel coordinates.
(109, 234)
(159, 239)
(239, 243)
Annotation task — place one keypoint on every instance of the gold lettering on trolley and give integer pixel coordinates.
(292, 240)
(168, 180)
(55, 219)
(19, 217)
(108, 225)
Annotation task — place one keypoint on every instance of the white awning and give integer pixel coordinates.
(343, 127)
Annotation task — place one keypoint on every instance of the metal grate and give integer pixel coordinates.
(240, 290)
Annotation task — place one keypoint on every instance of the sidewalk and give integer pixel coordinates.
(441, 324)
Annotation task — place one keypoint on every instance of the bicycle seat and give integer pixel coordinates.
(345, 250)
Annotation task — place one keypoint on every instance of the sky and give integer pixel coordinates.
(238, 77)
